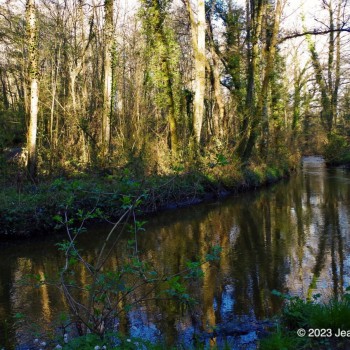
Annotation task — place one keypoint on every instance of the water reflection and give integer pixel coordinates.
(292, 237)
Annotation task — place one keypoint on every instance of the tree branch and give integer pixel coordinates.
(313, 32)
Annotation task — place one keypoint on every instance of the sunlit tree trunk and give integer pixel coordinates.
(33, 82)
(199, 72)
(198, 41)
(107, 84)
(219, 111)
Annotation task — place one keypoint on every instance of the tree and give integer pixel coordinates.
(32, 47)
(163, 63)
(329, 81)
(198, 27)
(255, 106)
(219, 111)
(108, 77)
(230, 56)
(254, 13)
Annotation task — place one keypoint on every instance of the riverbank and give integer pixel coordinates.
(30, 209)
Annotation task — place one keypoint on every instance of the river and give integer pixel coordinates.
(292, 237)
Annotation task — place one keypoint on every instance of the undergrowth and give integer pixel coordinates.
(320, 321)
(337, 150)
(28, 208)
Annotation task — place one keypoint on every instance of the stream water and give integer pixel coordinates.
(292, 237)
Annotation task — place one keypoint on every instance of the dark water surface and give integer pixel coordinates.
(293, 237)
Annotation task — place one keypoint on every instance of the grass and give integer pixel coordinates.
(311, 315)
(280, 341)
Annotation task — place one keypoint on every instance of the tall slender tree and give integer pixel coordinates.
(107, 77)
(32, 47)
(219, 111)
(198, 28)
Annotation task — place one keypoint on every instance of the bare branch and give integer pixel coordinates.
(313, 32)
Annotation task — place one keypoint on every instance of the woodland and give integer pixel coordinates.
(113, 109)
(208, 96)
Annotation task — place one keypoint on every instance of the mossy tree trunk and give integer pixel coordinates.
(270, 50)
(254, 14)
(329, 81)
(162, 50)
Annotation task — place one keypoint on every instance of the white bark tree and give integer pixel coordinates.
(32, 48)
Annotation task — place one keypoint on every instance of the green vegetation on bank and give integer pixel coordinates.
(337, 150)
(30, 208)
(322, 323)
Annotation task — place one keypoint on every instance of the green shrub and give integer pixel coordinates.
(337, 150)
(310, 314)
(280, 341)
(334, 315)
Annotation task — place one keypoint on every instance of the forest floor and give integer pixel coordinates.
(30, 209)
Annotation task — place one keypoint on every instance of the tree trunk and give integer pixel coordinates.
(254, 25)
(169, 76)
(33, 82)
(335, 91)
(329, 86)
(219, 111)
(4, 89)
(270, 56)
(107, 83)
(219, 115)
(199, 72)
(198, 42)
